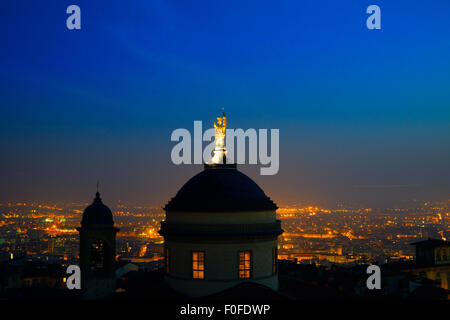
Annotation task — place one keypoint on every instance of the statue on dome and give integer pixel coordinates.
(221, 124)
(220, 129)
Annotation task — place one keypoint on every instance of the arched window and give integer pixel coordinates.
(97, 255)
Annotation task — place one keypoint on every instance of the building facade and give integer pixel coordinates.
(433, 261)
(220, 230)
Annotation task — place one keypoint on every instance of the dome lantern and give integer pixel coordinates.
(97, 214)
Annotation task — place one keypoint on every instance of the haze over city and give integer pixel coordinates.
(364, 117)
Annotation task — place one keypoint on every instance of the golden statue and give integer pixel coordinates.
(220, 129)
(221, 123)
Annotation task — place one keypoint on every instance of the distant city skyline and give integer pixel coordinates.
(364, 115)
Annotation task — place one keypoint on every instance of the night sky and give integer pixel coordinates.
(364, 115)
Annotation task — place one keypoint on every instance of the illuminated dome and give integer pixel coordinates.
(220, 188)
(97, 214)
(220, 230)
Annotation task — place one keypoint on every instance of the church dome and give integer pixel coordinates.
(97, 214)
(220, 188)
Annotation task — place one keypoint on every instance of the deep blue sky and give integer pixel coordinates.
(363, 115)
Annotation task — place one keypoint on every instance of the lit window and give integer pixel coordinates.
(274, 260)
(97, 255)
(245, 264)
(167, 255)
(198, 265)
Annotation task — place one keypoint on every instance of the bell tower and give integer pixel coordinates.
(97, 250)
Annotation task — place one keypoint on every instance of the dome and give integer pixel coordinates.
(97, 214)
(220, 188)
